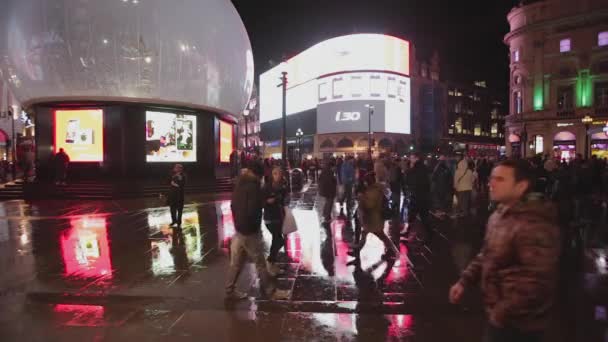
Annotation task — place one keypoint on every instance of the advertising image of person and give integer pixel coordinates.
(170, 137)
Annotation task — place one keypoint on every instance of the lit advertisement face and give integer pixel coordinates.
(170, 137)
(85, 249)
(377, 53)
(80, 134)
(225, 141)
(350, 116)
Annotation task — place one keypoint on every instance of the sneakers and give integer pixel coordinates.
(280, 295)
(236, 295)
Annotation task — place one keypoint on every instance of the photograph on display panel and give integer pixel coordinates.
(80, 134)
(170, 137)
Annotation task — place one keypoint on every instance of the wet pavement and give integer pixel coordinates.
(116, 271)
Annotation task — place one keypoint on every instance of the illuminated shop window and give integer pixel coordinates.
(494, 130)
(538, 144)
(602, 38)
(565, 45)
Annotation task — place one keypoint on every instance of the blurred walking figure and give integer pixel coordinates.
(348, 180)
(419, 184)
(276, 198)
(517, 266)
(396, 185)
(370, 213)
(327, 189)
(442, 185)
(247, 203)
(62, 161)
(176, 194)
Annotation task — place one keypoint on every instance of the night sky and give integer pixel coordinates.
(467, 34)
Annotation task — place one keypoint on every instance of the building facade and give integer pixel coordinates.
(558, 77)
(249, 125)
(476, 120)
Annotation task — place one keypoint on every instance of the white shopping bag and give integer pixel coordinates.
(289, 224)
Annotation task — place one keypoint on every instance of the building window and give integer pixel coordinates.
(494, 114)
(392, 87)
(602, 38)
(538, 144)
(458, 125)
(376, 86)
(601, 94)
(565, 45)
(458, 107)
(322, 92)
(477, 131)
(518, 104)
(518, 79)
(516, 55)
(357, 86)
(451, 92)
(565, 98)
(494, 130)
(338, 86)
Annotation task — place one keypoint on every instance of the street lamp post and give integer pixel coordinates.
(283, 85)
(299, 135)
(369, 129)
(587, 120)
(246, 115)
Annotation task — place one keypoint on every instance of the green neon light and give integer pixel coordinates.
(584, 89)
(538, 96)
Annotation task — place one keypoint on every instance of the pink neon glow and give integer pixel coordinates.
(85, 249)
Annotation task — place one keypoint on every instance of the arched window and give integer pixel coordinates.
(345, 143)
(327, 144)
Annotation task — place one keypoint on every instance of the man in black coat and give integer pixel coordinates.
(419, 184)
(442, 180)
(176, 194)
(247, 243)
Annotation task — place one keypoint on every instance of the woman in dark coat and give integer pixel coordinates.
(275, 200)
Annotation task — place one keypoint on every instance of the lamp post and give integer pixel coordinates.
(246, 115)
(587, 120)
(370, 109)
(299, 135)
(283, 85)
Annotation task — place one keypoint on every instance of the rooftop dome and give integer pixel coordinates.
(185, 52)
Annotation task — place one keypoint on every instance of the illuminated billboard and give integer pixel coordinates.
(225, 141)
(80, 134)
(368, 53)
(359, 67)
(170, 137)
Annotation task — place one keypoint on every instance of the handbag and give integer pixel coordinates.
(289, 222)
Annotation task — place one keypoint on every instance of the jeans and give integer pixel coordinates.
(494, 334)
(328, 207)
(251, 247)
(176, 209)
(278, 241)
(464, 201)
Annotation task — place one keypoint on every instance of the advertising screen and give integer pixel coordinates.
(80, 134)
(225, 141)
(347, 54)
(170, 137)
(350, 116)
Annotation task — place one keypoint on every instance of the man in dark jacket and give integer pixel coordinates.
(327, 189)
(176, 194)
(419, 184)
(247, 243)
(442, 185)
(62, 160)
(518, 263)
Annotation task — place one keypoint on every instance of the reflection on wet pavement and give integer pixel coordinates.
(120, 271)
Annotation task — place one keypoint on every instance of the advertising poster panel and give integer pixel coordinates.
(350, 116)
(80, 134)
(226, 139)
(170, 137)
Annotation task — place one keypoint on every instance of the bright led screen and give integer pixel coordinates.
(80, 134)
(170, 137)
(225, 141)
(347, 54)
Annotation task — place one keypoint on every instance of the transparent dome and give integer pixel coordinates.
(184, 52)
